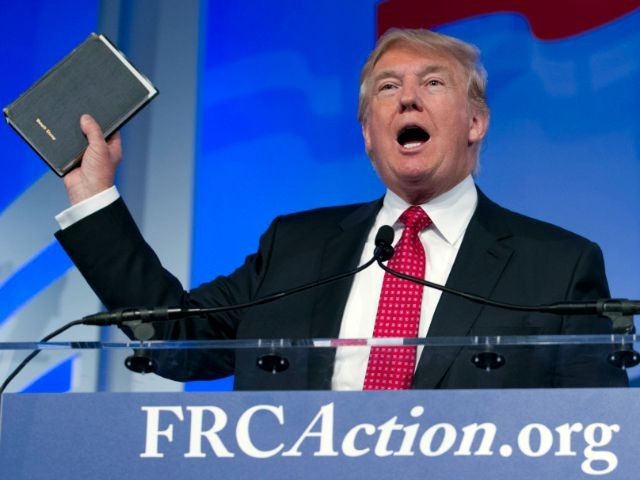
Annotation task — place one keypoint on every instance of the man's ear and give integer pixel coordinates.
(478, 125)
(366, 136)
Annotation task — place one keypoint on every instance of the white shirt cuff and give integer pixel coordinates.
(81, 210)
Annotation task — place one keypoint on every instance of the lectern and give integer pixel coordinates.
(489, 433)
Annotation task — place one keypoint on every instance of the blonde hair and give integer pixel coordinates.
(467, 55)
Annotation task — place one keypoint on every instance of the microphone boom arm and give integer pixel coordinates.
(619, 311)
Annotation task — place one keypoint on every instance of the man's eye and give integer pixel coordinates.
(434, 83)
(387, 86)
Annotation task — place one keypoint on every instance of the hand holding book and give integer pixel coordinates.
(100, 160)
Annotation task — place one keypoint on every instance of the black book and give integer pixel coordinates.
(95, 78)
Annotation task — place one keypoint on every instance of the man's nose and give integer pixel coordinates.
(410, 98)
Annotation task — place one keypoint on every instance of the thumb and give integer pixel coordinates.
(91, 129)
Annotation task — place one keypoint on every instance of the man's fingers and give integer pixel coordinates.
(115, 138)
(115, 148)
(114, 142)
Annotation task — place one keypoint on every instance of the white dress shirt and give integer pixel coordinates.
(450, 214)
(77, 212)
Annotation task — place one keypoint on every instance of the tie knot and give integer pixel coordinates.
(415, 219)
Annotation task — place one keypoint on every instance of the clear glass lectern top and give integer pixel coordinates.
(311, 364)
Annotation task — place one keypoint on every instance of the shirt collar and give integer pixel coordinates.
(449, 212)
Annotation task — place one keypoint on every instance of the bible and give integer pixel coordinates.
(95, 78)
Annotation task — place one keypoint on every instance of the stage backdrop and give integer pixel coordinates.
(276, 89)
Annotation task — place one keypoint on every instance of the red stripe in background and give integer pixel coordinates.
(549, 19)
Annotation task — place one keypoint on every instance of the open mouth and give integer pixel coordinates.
(412, 136)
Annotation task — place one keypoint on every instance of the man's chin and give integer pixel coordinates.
(414, 190)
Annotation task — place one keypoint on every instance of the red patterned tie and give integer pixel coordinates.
(391, 368)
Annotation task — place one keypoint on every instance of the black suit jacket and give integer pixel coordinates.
(504, 256)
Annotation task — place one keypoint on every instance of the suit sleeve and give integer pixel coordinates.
(123, 271)
(587, 365)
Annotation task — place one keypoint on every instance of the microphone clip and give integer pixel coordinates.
(384, 238)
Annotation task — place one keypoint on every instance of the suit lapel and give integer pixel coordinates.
(479, 264)
(341, 253)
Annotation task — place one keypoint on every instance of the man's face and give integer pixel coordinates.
(420, 130)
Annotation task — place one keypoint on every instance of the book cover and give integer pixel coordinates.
(95, 78)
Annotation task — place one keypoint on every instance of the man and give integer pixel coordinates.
(424, 116)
